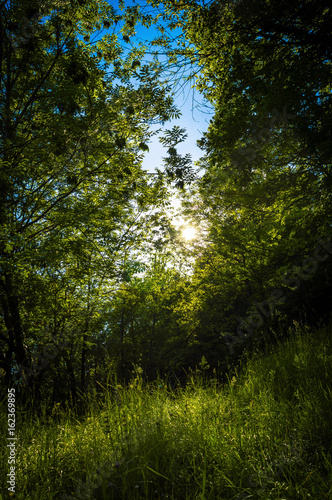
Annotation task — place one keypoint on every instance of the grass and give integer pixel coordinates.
(266, 435)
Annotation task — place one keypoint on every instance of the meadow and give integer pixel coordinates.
(266, 434)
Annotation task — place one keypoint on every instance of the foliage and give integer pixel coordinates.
(264, 197)
(76, 110)
(94, 278)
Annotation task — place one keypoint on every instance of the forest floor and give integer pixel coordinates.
(266, 435)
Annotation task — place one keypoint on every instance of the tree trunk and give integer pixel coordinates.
(10, 305)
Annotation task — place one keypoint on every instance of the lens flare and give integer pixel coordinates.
(189, 233)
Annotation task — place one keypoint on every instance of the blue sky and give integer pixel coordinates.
(193, 120)
(195, 116)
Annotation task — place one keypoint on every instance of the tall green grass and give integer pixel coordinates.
(267, 434)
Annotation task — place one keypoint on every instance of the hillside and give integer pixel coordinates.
(266, 434)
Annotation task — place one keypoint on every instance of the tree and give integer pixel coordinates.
(265, 195)
(75, 115)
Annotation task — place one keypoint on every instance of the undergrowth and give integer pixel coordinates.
(267, 434)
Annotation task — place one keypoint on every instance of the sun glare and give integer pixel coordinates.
(189, 233)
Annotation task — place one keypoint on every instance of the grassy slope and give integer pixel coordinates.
(267, 435)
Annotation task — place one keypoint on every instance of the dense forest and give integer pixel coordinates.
(97, 284)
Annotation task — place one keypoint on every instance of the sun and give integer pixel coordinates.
(189, 233)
